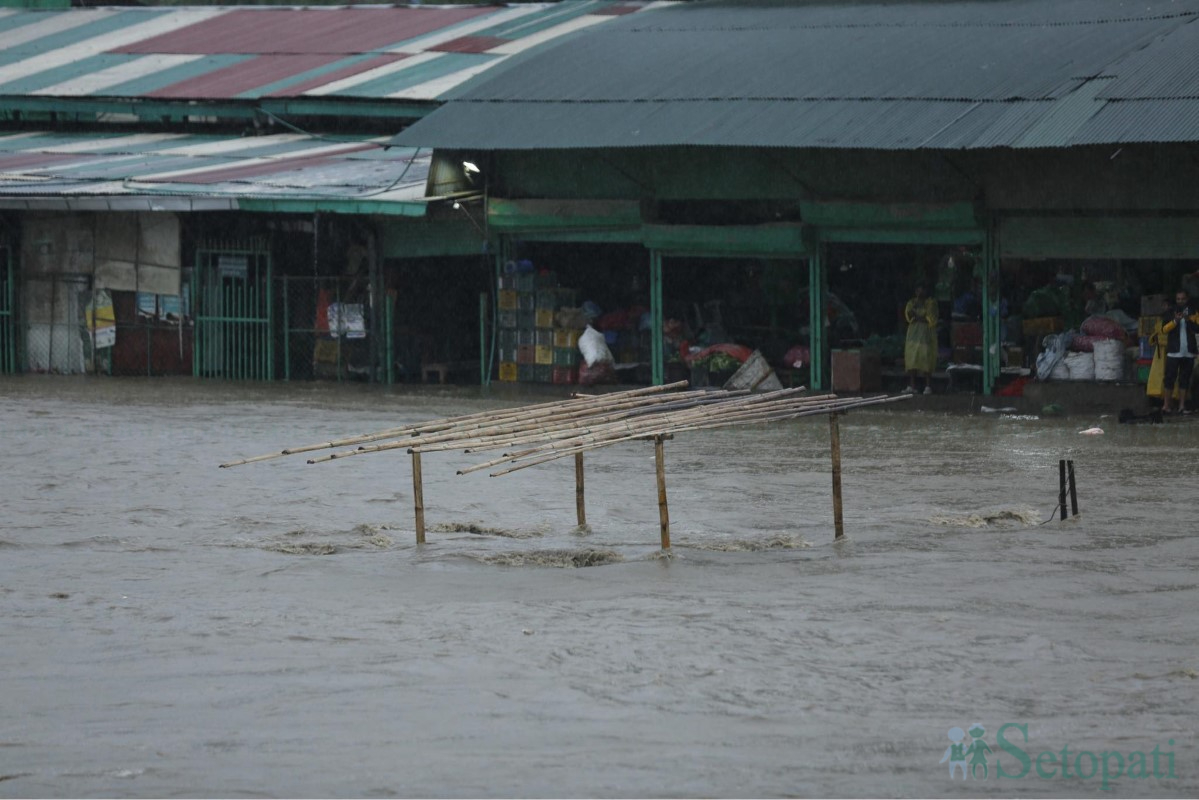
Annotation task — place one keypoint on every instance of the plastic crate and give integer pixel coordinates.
(526, 354)
(507, 299)
(526, 319)
(526, 281)
(566, 337)
(508, 319)
(544, 337)
(507, 338)
(526, 336)
(544, 355)
(543, 373)
(507, 371)
(508, 354)
(506, 282)
(544, 318)
(526, 373)
(565, 356)
(547, 298)
(566, 375)
(526, 301)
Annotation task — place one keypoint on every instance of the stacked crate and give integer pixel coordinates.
(528, 335)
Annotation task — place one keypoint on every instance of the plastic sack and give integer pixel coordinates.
(1102, 327)
(1052, 356)
(1081, 366)
(1085, 344)
(594, 348)
(1109, 360)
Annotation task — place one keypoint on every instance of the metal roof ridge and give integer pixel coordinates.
(842, 25)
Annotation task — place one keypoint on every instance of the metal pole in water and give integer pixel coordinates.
(418, 498)
(834, 431)
(1073, 490)
(1061, 486)
(580, 504)
(663, 511)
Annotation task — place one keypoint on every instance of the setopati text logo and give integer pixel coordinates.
(1013, 758)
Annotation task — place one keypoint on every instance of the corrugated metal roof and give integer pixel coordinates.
(293, 167)
(888, 74)
(411, 52)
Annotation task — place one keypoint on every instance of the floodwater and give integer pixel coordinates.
(171, 629)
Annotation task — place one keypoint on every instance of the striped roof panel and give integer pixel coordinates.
(222, 53)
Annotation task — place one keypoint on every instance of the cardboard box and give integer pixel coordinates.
(857, 371)
(1043, 326)
(966, 334)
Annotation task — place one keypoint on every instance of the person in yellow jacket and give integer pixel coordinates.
(1176, 344)
(920, 349)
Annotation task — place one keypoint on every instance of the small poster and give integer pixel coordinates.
(101, 319)
(147, 305)
(237, 267)
(170, 308)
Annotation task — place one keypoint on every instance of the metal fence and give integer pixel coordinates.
(232, 312)
(329, 329)
(154, 335)
(55, 326)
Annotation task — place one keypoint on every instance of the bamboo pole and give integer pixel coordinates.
(621, 431)
(418, 498)
(454, 439)
(580, 505)
(447, 423)
(778, 416)
(663, 511)
(835, 438)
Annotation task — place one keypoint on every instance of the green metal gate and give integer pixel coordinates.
(233, 311)
(8, 330)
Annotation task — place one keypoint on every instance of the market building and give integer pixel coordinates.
(682, 176)
(792, 169)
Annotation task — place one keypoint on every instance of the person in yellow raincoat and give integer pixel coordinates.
(1172, 319)
(920, 349)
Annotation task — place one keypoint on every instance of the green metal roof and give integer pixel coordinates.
(938, 74)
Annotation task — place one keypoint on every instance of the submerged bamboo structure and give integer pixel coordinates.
(528, 436)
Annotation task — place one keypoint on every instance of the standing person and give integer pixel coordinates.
(1180, 325)
(920, 350)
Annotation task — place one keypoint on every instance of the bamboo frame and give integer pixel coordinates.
(537, 434)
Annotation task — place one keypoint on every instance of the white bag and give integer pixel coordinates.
(594, 348)
(1109, 360)
(1081, 366)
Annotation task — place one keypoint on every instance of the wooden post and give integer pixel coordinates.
(1073, 489)
(418, 498)
(834, 431)
(1061, 486)
(663, 511)
(580, 504)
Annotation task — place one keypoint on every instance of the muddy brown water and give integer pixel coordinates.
(173, 629)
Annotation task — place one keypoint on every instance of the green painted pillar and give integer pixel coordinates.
(992, 336)
(657, 355)
(484, 372)
(817, 289)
